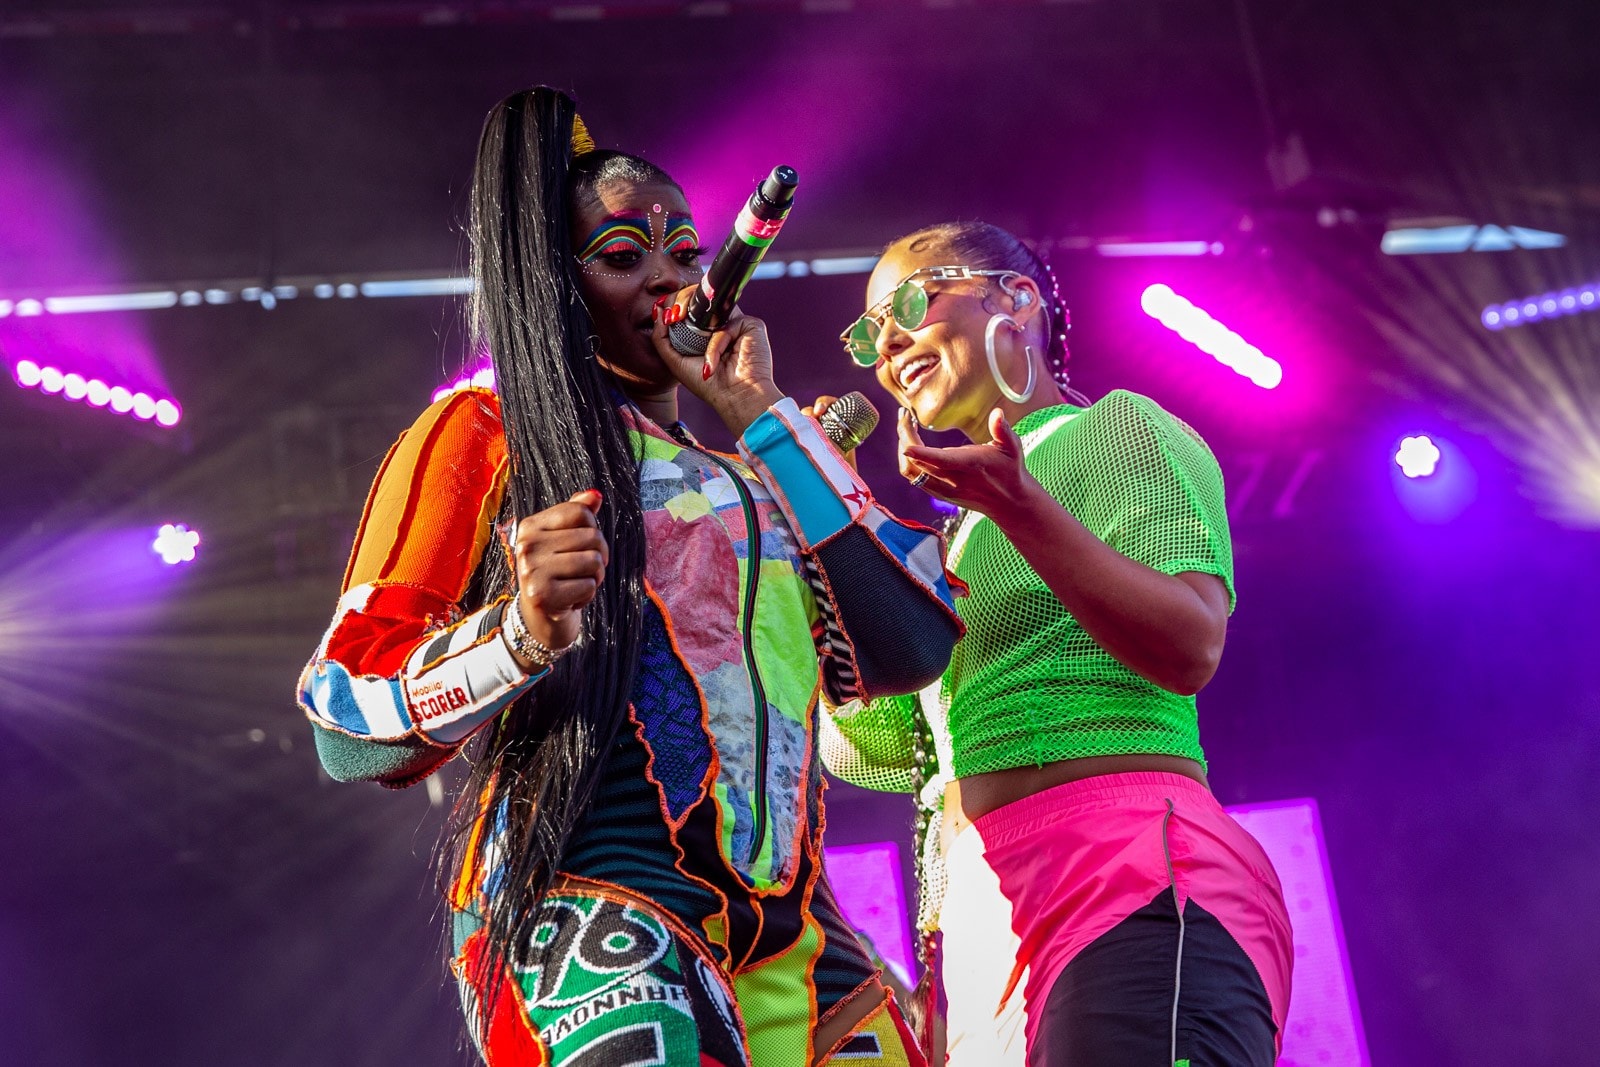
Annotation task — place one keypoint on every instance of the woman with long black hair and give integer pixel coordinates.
(633, 665)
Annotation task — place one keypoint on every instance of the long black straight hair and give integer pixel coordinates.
(536, 770)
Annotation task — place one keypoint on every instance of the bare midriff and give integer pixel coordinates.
(977, 795)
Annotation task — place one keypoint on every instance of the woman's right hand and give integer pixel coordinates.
(735, 374)
(561, 559)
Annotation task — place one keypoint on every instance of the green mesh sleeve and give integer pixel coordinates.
(872, 745)
(1157, 495)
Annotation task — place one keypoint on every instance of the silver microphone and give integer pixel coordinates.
(849, 420)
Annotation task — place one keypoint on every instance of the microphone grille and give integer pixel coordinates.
(688, 340)
(849, 420)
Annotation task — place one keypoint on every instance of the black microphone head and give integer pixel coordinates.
(778, 188)
(849, 420)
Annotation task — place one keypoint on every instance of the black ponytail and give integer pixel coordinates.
(536, 770)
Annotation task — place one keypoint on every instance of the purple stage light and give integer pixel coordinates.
(72, 385)
(175, 543)
(1571, 301)
(1197, 327)
(1417, 456)
(481, 377)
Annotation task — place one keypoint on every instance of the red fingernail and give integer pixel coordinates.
(660, 300)
(674, 313)
(705, 372)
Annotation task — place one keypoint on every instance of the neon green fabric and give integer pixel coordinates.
(1027, 685)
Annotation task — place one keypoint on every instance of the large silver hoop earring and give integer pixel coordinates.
(995, 322)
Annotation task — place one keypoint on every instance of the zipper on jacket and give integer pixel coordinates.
(758, 803)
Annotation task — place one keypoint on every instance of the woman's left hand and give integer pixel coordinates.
(735, 374)
(988, 478)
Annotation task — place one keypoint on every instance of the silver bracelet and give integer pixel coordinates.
(521, 641)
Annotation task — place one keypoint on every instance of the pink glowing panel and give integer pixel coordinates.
(1324, 1026)
(866, 882)
(1197, 327)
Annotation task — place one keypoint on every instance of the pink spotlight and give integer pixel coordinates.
(72, 385)
(1197, 327)
(167, 413)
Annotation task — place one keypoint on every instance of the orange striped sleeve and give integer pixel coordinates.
(431, 511)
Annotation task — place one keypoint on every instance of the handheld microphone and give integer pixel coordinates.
(753, 232)
(849, 420)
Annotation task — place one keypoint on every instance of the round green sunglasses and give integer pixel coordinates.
(909, 306)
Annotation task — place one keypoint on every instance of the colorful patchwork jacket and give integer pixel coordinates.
(771, 576)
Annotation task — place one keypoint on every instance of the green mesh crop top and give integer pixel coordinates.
(1026, 685)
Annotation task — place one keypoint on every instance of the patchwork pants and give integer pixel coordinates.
(614, 981)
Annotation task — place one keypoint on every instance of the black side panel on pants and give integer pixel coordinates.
(1112, 1006)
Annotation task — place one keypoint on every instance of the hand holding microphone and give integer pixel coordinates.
(736, 376)
(753, 233)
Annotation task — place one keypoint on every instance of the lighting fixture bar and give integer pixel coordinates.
(1197, 327)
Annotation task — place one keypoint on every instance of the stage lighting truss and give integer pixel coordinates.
(1544, 306)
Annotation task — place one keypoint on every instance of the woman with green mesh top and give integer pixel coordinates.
(1097, 905)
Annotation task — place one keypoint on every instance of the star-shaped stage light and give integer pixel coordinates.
(1417, 456)
(176, 543)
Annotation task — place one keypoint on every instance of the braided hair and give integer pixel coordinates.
(988, 247)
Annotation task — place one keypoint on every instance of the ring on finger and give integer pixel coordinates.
(920, 480)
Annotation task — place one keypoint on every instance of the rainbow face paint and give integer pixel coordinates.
(638, 233)
(681, 235)
(622, 232)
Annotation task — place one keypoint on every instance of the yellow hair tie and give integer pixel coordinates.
(582, 143)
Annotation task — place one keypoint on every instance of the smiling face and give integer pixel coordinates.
(635, 243)
(939, 370)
